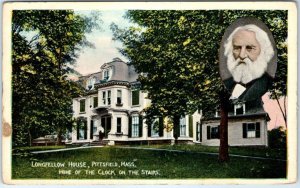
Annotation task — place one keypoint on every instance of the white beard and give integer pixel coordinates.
(247, 71)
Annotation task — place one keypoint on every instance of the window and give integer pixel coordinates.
(239, 109)
(108, 97)
(119, 125)
(135, 97)
(251, 130)
(103, 97)
(155, 128)
(106, 75)
(135, 126)
(82, 105)
(119, 97)
(213, 132)
(90, 83)
(95, 102)
(182, 126)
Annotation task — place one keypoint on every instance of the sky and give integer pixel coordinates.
(91, 59)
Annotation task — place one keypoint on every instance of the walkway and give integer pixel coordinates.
(66, 149)
(159, 149)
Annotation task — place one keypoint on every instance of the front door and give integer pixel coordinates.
(106, 124)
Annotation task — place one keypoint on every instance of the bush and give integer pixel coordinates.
(277, 138)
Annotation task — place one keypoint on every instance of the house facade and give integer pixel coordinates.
(247, 126)
(111, 113)
(111, 110)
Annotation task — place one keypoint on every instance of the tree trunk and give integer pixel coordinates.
(223, 149)
(30, 138)
(283, 113)
(176, 128)
(59, 134)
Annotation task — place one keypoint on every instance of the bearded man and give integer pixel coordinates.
(248, 50)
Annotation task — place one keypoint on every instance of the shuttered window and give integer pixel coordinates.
(182, 124)
(213, 132)
(135, 126)
(251, 130)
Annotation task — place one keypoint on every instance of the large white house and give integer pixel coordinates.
(111, 113)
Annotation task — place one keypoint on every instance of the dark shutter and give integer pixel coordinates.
(78, 126)
(129, 126)
(218, 133)
(191, 126)
(208, 132)
(149, 130)
(91, 129)
(257, 130)
(200, 132)
(244, 130)
(85, 129)
(161, 127)
(176, 128)
(140, 126)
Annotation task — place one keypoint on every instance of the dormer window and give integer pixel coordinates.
(239, 109)
(106, 75)
(90, 83)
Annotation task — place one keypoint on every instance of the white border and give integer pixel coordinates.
(292, 82)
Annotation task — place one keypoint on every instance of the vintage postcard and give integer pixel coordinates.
(149, 93)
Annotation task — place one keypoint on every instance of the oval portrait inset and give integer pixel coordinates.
(248, 58)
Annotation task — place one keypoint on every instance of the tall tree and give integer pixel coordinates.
(45, 43)
(177, 52)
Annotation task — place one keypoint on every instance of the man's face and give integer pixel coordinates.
(245, 45)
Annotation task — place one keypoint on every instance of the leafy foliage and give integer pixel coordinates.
(277, 138)
(177, 52)
(45, 44)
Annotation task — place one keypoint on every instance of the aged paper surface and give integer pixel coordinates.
(82, 166)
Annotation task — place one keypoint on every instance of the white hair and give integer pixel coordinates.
(250, 70)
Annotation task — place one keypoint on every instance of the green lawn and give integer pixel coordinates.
(140, 164)
(248, 151)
